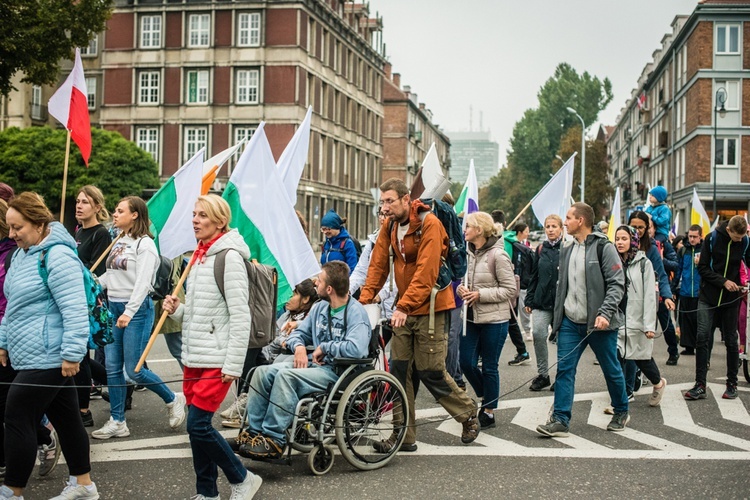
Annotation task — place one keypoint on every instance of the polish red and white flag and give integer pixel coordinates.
(69, 106)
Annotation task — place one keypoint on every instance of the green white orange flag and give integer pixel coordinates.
(171, 209)
(698, 214)
(614, 218)
(212, 166)
(265, 217)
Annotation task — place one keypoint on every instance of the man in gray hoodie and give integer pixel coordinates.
(587, 312)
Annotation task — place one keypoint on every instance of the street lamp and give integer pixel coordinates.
(721, 97)
(583, 153)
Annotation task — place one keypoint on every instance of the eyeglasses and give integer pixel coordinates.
(324, 229)
(385, 202)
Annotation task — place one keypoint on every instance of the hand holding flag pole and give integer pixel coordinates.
(164, 315)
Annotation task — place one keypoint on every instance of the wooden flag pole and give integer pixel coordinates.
(163, 317)
(65, 179)
(105, 252)
(521, 213)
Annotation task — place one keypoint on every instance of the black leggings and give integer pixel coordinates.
(83, 380)
(25, 408)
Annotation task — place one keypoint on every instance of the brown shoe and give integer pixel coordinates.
(262, 447)
(470, 431)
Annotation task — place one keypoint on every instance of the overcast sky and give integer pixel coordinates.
(494, 55)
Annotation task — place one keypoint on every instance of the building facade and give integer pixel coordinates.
(477, 146)
(408, 132)
(687, 123)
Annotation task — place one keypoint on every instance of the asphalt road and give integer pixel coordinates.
(684, 449)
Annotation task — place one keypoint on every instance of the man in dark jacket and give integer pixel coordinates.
(589, 291)
(720, 294)
(688, 281)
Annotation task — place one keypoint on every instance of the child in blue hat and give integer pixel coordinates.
(660, 213)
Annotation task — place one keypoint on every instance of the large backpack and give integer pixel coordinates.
(162, 284)
(454, 265)
(101, 319)
(263, 287)
(523, 263)
(357, 246)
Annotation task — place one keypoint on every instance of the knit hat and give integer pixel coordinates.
(6, 192)
(331, 220)
(660, 193)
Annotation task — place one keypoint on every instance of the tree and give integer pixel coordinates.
(536, 136)
(598, 190)
(35, 35)
(32, 159)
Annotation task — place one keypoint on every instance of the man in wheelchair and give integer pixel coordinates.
(337, 327)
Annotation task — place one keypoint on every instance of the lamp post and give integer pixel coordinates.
(583, 154)
(721, 97)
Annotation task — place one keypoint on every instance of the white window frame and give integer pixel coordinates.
(732, 88)
(149, 88)
(248, 29)
(147, 138)
(194, 138)
(91, 49)
(202, 84)
(91, 92)
(247, 86)
(151, 29)
(727, 29)
(725, 148)
(199, 30)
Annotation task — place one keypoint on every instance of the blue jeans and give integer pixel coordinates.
(211, 451)
(125, 351)
(484, 340)
(283, 385)
(571, 341)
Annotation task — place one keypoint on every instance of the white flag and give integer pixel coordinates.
(292, 160)
(554, 197)
(433, 179)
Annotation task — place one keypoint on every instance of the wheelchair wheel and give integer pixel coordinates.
(365, 418)
(303, 441)
(320, 459)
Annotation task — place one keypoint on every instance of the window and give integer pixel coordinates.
(197, 87)
(150, 32)
(147, 138)
(243, 133)
(727, 39)
(91, 92)
(195, 139)
(248, 29)
(148, 87)
(37, 110)
(198, 26)
(91, 48)
(731, 96)
(726, 152)
(247, 86)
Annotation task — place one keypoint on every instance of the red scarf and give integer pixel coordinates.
(200, 254)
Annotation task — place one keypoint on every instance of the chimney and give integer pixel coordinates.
(397, 80)
(422, 106)
(388, 69)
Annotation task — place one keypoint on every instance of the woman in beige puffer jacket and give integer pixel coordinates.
(487, 289)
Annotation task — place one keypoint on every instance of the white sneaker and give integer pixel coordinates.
(113, 428)
(176, 410)
(48, 455)
(76, 491)
(237, 410)
(247, 489)
(204, 497)
(657, 393)
(7, 494)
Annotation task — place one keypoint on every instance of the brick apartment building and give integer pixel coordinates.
(671, 138)
(408, 132)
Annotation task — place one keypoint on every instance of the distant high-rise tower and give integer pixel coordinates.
(478, 146)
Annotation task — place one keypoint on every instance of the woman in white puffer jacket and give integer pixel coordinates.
(215, 335)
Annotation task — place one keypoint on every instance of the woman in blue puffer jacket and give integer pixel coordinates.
(45, 333)
(339, 244)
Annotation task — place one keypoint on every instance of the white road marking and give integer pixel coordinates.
(731, 409)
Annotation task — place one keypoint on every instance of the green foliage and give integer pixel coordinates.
(32, 159)
(35, 35)
(536, 137)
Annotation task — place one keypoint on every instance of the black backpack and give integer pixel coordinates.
(454, 266)
(163, 283)
(357, 246)
(523, 263)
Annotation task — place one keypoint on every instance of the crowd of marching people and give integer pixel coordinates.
(447, 320)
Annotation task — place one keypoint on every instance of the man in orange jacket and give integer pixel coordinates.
(417, 240)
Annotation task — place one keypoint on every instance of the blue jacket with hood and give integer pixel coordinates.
(45, 324)
(332, 250)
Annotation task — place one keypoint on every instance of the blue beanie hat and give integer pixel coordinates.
(660, 193)
(331, 219)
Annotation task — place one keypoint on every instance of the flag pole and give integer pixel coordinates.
(65, 179)
(465, 308)
(106, 251)
(164, 315)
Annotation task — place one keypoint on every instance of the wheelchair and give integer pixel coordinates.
(366, 405)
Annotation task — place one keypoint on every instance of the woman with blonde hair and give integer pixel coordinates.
(540, 296)
(488, 289)
(215, 337)
(45, 333)
(131, 267)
